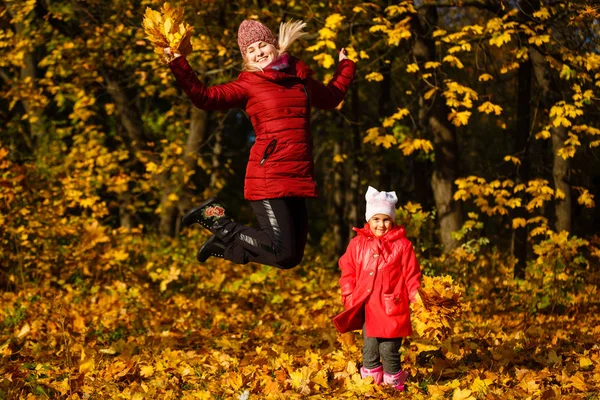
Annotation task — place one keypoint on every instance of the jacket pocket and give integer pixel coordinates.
(268, 151)
(393, 304)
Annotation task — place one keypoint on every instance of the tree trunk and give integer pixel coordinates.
(433, 119)
(444, 175)
(128, 113)
(355, 191)
(340, 231)
(560, 172)
(550, 92)
(215, 176)
(519, 245)
(29, 72)
(169, 219)
(131, 120)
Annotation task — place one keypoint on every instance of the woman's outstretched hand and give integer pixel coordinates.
(343, 55)
(168, 55)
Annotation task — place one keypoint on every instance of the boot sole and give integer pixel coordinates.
(203, 257)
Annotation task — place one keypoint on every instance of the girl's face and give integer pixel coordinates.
(261, 53)
(380, 224)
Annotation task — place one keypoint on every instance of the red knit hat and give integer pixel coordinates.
(251, 32)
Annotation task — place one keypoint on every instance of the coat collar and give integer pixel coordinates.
(285, 67)
(396, 233)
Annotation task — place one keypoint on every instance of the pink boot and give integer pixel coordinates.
(396, 381)
(376, 373)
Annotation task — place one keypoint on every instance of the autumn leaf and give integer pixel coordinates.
(586, 199)
(146, 371)
(518, 223)
(374, 76)
(459, 118)
(460, 394)
(410, 68)
(500, 38)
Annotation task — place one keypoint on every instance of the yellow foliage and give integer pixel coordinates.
(462, 394)
(509, 67)
(408, 146)
(430, 93)
(566, 152)
(436, 308)
(488, 108)
(147, 371)
(402, 8)
(438, 32)
(542, 14)
(334, 21)
(414, 67)
(389, 121)
(586, 199)
(475, 29)
(459, 118)
(167, 29)
(543, 134)
(324, 59)
(518, 223)
(454, 61)
(512, 159)
(339, 158)
(500, 38)
(539, 40)
(374, 76)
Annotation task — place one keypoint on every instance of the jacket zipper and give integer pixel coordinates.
(307, 109)
(269, 150)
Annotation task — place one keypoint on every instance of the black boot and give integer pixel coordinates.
(205, 214)
(213, 247)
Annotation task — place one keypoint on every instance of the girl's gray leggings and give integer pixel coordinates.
(377, 351)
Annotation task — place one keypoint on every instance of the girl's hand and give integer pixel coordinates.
(343, 55)
(168, 55)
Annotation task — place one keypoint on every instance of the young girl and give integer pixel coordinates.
(380, 275)
(277, 92)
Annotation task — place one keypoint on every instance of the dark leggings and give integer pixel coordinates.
(279, 242)
(377, 351)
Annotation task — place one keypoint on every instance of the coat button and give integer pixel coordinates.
(375, 255)
(368, 290)
(287, 110)
(371, 273)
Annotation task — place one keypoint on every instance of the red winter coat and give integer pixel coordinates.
(379, 278)
(277, 101)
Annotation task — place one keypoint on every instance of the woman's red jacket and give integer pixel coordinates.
(278, 102)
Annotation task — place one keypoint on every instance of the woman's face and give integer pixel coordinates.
(380, 224)
(261, 53)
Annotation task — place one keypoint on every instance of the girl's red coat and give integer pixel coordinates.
(277, 101)
(380, 276)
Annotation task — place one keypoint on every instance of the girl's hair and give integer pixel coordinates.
(289, 32)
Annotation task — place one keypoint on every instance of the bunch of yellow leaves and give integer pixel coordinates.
(438, 305)
(167, 29)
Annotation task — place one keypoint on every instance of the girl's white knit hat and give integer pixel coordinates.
(380, 203)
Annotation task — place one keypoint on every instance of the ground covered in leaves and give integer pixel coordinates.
(170, 328)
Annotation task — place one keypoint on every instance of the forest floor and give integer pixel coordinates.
(224, 331)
